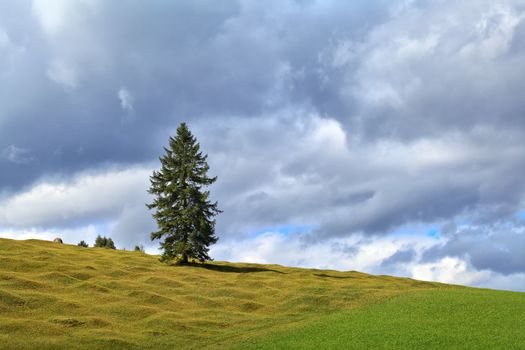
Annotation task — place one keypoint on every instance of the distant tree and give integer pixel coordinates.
(104, 242)
(184, 213)
(83, 244)
(139, 248)
(110, 244)
(100, 242)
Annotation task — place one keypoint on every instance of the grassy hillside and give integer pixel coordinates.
(60, 296)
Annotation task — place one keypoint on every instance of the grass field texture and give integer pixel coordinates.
(56, 296)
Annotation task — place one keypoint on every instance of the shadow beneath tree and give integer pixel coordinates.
(233, 269)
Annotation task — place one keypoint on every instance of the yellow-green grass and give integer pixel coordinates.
(55, 296)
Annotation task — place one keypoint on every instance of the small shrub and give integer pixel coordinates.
(139, 248)
(83, 244)
(104, 242)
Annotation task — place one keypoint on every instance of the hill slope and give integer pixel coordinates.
(61, 296)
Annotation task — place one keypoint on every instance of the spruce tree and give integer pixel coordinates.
(110, 244)
(183, 210)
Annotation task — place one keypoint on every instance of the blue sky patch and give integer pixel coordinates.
(434, 233)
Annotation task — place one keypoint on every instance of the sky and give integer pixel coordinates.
(381, 136)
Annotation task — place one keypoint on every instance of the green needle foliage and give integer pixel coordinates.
(184, 213)
(104, 242)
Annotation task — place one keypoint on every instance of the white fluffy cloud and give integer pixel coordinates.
(87, 196)
(54, 15)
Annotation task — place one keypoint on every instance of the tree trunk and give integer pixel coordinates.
(184, 259)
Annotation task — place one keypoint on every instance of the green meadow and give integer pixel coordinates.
(55, 296)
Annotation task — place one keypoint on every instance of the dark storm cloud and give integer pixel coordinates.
(404, 255)
(174, 61)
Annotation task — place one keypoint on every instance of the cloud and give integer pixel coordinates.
(63, 74)
(54, 15)
(497, 247)
(448, 270)
(126, 100)
(51, 15)
(68, 235)
(401, 256)
(349, 186)
(87, 197)
(295, 250)
(4, 39)
(133, 226)
(430, 69)
(161, 52)
(17, 155)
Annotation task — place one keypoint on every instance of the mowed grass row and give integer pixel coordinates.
(56, 296)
